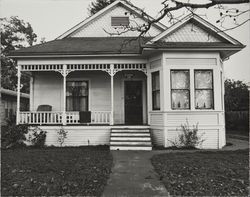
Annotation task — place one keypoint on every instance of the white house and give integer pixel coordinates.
(114, 90)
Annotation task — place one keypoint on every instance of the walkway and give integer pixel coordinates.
(133, 175)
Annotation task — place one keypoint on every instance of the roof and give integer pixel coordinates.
(121, 2)
(109, 46)
(14, 93)
(83, 46)
(88, 46)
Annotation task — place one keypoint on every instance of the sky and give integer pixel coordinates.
(51, 18)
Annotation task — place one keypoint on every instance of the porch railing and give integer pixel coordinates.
(45, 117)
(50, 117)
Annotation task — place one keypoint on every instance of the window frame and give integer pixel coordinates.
(211, 70)
(154, 91)
(88, 96)
(189, 90)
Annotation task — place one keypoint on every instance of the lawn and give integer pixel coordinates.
(81, 171)
(204, 173)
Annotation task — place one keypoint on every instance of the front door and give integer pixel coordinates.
(133, 102)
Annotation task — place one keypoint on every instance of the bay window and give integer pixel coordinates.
(180, 89)
(77, 95)
(156, 90)
(204, 89)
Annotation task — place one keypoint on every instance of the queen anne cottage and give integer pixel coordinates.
(109, 88)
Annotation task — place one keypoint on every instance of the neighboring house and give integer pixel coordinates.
(113, 90)
(9, 104)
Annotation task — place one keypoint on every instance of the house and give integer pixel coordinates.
(104, 87)
(9, 103)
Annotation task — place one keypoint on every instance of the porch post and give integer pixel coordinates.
(31, 93)
(112, 94)
(18, 94)
(64, 118)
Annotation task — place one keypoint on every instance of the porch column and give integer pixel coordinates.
(31, 93)
(64, 118)
(112, 94)
(18, 94)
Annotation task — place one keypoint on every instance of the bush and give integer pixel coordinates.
(14, 135)
(189, 137)
(37, 137)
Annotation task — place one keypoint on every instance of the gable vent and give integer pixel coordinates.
(119, 21)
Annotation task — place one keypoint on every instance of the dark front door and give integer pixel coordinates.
(133, 102)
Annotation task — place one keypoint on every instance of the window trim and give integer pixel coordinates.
(153, 91)
(189, 90)
(88, 97)
(211, 70)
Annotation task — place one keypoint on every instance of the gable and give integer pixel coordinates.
(100, 25)
(194, 29)
(190, 32)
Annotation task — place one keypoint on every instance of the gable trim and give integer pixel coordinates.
(87, 20)
(185, 20)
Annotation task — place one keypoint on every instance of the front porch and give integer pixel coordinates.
(109, 95)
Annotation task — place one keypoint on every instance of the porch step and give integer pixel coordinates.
(146, 134)
(130, 139)
(130, 130)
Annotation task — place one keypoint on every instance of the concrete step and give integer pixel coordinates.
(148, 143)
(130, 138)
(146, 148)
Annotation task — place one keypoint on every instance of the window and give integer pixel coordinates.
(180, 89)
(119, 21)
(156, 90)
(203, 89)
(77, 96)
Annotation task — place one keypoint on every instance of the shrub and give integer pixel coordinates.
(189, 137)
(14, 135)
(62, 135)
(37, 137)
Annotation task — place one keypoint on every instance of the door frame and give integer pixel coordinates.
(144, 98)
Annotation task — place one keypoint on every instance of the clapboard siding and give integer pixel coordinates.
(210, 137)
(191, 61)
(157, 136)
(192, 118)
(156, 119)
(78, 136)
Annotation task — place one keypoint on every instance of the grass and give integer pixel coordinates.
(204, 173)
(81, 171)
